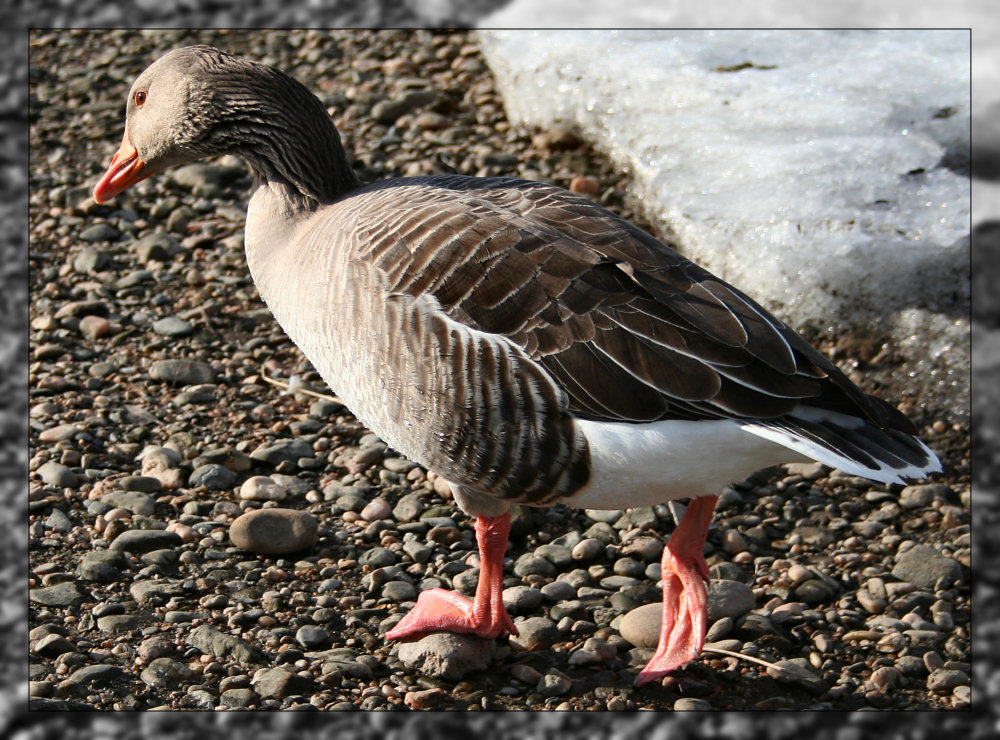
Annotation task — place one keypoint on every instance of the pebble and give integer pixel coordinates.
(690, 704)
(274, 531)
(182, 372)
(534, 633)
(171, 326)
(134, 500)
(798, 672)
(60, 433)
(223, 646)
(53, 645)
(446, 655)
(399, 591)
(558, 590)
(57, 475)
(163, 673)
(262, 488)
(312, 637)
(145, 540)
(728, 599)
(279, 682)
(554, 683)
(97, 676)
(158, 246)
(100, 233)
(522, 599)
(238, 698)
(923, 566)
(530, 564)
(212, 477)
(101, 566)
(95, 327)
(584, 185)
(424, 698)
(641, 626)
(287, 450)
(917, 497)
(376, 509)
(587, 549)
(557, 138)
(946, 680)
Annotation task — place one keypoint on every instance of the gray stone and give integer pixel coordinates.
(922, 566)
(641, 517)
(57, 521)
(399, 591)
(944, 679)
(312, 637)
(144, 540)
(90, 260)
(285, 450)
(162, 673)
(446, 655)
(198, 699)
(54, 645)
(554, 683)
(134, 500)
(409, 507)
(100, 232)
(274, 531)
(213, 477)
(98, 675)
(262, 488)
(690, 704)
(641, 626)
(558, 591)
(534, 633)
(587, 549)
(148, 592)
(158, 247)
(797, 672)
(59, 595)
(420, 552)
(182, 372)
(57, 475)
(101, 566)
(531, 564)
(172, 326)
(917, 497)
(813, 591)
(729, 599)
(278, 683)
(222, 645)
(113, 623)
(559, 555)
(239, 698)
(522, 599)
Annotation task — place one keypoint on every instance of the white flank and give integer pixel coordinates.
(648, 464)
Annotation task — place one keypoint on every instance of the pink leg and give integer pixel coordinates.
(683, 572)
(440, 610)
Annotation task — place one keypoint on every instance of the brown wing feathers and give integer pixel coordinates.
(628, 328)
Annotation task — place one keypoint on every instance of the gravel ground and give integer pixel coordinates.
(154, 428)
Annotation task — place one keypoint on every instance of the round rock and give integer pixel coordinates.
(446, 655)
(274, 531)
(641, 626)
(923, 565)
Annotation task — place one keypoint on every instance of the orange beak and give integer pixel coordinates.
(124, 171)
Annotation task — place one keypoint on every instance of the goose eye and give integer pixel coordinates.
(140, 97)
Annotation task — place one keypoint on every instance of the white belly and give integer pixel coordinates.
(648, 464)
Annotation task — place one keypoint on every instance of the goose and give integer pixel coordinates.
(522, 342)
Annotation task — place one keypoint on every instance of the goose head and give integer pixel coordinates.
(198, 101)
